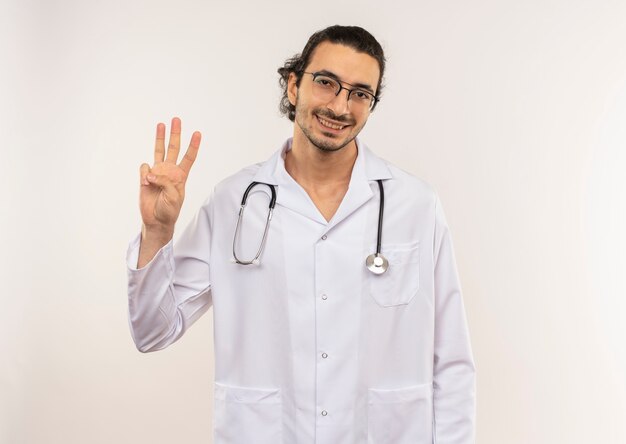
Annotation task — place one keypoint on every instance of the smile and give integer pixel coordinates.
(330, 125)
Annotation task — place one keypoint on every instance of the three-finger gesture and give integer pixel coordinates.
(162, 188)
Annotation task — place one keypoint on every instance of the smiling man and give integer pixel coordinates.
(338, 315)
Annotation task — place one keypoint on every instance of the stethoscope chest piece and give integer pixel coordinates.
(377, 263)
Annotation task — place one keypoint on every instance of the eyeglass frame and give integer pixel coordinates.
(315, 74)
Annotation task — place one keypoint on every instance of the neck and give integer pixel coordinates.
(313, 168)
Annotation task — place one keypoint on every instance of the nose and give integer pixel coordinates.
(339, 103)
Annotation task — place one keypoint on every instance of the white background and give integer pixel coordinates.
(515, 111)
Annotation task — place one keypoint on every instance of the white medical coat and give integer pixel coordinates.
(310, 346)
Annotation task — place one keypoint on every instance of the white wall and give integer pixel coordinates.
(513, 110)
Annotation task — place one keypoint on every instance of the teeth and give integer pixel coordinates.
(330, 125)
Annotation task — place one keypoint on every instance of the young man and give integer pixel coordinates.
(339, 317)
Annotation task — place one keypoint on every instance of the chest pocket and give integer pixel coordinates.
(400, 283)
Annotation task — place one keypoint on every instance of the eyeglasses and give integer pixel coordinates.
(326, 88)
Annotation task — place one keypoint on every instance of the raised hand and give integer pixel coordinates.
(162, 189)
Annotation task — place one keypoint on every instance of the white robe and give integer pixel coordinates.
(310, 346)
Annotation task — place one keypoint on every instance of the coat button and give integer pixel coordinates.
(324, 413)
(324, 237)
(324, 355)
(324, 297)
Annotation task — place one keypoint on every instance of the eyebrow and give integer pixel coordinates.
(327, 73)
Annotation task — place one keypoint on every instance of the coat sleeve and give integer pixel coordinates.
(172, 291)
(454, 372)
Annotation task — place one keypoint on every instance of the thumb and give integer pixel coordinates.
(144, 169)
(163, 182)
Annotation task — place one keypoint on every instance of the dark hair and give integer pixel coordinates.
(355, 37)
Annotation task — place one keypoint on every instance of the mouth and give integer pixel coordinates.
(330, 125)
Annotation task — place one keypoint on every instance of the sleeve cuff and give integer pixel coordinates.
(132, 254)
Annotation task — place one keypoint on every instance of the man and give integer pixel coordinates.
(313, 344)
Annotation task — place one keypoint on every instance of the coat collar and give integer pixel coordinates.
(367, 168)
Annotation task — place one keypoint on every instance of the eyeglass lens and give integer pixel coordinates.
(327, 87)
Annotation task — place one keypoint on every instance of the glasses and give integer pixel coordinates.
(326, 87)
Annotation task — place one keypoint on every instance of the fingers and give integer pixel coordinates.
(159, 145)
(174, 146)
(192, 152)
(144, 169)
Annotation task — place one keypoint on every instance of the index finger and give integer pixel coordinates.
(190, 156)
(159, 144)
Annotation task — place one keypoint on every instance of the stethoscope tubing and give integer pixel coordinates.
(381, 210)
(267, 222)
(376, 263)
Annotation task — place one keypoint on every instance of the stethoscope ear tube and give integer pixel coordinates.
(252, 185)
(254, 261)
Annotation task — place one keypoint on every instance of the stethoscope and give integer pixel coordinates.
(375, 262)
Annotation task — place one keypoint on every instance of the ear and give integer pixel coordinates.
(292, 88)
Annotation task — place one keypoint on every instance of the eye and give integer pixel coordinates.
(325, 82)
(361, 95)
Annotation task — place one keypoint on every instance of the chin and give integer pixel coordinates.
(327, 148)
(329, 145)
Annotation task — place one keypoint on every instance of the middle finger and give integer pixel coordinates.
(174, 145)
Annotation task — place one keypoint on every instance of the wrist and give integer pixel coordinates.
(160, 233)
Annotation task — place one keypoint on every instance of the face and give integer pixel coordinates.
(331, 124)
